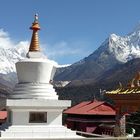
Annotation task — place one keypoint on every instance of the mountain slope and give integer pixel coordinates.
(114, 50)
(87, 89)
(122, 73)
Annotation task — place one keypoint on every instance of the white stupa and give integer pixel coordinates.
(34, 110)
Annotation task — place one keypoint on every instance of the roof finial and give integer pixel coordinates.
(36, 17)
(34, 45)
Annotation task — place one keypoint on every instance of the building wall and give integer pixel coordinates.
(22, 118)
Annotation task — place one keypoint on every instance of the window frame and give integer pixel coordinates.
(37, 117)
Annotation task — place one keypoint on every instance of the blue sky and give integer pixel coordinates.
(70, 29)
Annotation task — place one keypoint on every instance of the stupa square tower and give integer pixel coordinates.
(34, 110)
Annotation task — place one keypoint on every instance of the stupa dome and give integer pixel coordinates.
(35, 72)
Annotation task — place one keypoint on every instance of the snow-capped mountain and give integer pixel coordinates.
(114, 50)
(10, 52)
(122, 49)
(125, 48)
(9, 56)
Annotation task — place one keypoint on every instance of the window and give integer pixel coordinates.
(38, 117)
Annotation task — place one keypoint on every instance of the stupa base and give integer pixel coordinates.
(38, 132)
(35, 118)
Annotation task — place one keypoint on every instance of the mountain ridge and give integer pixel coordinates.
(114, 50)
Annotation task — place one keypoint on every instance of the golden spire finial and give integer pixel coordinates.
(34, 45)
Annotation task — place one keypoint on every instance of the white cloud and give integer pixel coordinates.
(3, 33)
(67, 49)
(5, 41)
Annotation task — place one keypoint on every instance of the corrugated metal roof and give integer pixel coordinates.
(3, 115)
(91, 108)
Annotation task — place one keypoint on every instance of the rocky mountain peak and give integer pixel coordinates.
(114, 50)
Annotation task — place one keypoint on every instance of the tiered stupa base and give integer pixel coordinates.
(20, 124)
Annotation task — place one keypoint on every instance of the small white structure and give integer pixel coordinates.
(34, 110)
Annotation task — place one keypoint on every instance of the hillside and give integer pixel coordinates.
(79, 90)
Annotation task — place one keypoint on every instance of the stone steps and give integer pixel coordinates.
(34, 132)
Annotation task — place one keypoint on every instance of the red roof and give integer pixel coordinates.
(91, 108)
(3, 115)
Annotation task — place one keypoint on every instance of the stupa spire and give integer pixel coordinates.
(34, 45)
